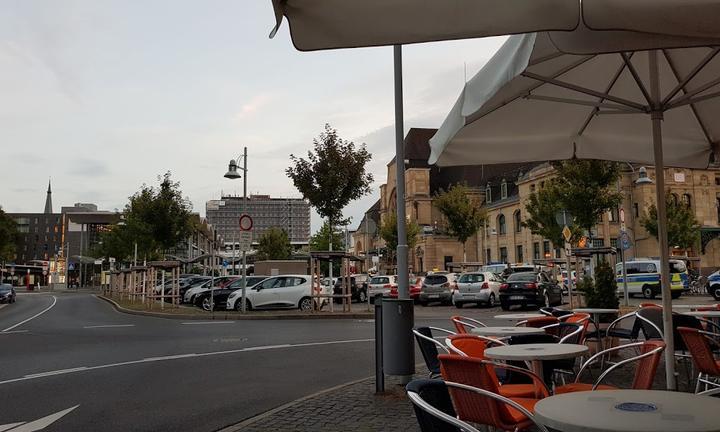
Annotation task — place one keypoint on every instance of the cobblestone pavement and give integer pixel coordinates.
(353, 408)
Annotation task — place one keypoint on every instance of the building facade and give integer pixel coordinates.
(290, 214)
(503, 191)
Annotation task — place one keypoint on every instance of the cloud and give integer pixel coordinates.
(252, 107)
(83, 167)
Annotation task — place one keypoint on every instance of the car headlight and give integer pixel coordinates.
(233, 294)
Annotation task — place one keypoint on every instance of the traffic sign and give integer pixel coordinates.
(246, 222)
(622, 215)
(71, 267)
(624, 241)
(567, 233)
(225, 263)
(44, 272)
(245, 240)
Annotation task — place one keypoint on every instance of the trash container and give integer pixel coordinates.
(398, 342)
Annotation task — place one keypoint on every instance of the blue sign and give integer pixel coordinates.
(225, 263)
(625, 240)
(71, 267)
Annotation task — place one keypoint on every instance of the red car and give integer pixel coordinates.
(415, 285)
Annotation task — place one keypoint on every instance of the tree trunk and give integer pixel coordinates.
(464, 254)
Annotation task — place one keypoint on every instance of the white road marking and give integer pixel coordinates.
(32, 317)
(109, 326)
(2, 306)
(206, 322)
(180, 356)
(9, 426)
(40, 423)
(13, 332)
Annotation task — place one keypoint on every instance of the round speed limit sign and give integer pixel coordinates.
(246, 222)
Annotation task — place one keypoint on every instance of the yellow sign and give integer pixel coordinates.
(566, 233)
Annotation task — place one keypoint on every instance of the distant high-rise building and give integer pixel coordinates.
(290, 214)
(48, 200)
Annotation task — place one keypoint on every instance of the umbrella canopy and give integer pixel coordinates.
(621, 96)
(326, 24)
(551, 96)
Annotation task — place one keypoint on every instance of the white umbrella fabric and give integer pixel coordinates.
(621, 96)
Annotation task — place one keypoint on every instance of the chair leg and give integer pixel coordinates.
(697, 385)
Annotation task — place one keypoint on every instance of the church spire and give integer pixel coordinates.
(48, 200)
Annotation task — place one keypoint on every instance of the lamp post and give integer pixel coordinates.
(233, 174)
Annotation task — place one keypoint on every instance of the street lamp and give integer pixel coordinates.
(233, 174)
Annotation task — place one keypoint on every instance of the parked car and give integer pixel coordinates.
(478, 288)
(713, 284)
(7, 293)
(437, 287)
(184, 287)
(643, 277)
(564, 280)
(530, 288)
(220, 282)
(220, 295)
(358, 288)
(414, 288)
(381, 285)
(277, 292)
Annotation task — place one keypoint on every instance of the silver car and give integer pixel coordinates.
(478, 288)
(381, 285)
(436, 288)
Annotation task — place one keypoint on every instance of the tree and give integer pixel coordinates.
(542, 208)
(388, 232)
(320, 241)
(463, 212)
(587, 189)
(156, 218)
(274, 244)
(8, 237)
(683, 229)
(601, 293)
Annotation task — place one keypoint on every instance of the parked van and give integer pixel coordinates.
(644, 277)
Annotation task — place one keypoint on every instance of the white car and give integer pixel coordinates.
(277, 292)
(477, 287)
(191, 293)
(381, 285)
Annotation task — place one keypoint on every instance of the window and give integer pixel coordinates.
(536, 250)
(502, 227)
(488, 194)
(518, 221)
(546, 249)
(636, 210)
(532, 188)
(542, 185)
(687, 200)
(614, 215)
(519, 253)
(488, 256)
(503, 189)
(613, 242)
(600, 218)
(503, 254)
(598, 242)
(557, 252)
(674, 198)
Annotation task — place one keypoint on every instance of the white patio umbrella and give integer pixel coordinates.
(621, 96)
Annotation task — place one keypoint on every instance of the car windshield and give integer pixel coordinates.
(522, 277)
(380, 280)
(472, 278)
(677, 267)
(436, 279)
(5, 288)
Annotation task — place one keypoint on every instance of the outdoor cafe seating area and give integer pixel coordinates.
(561, 370)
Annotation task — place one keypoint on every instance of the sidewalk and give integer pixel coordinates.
(351, 407)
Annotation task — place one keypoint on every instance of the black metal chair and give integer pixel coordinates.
(651, 322)
(429, 347)
(433, 407)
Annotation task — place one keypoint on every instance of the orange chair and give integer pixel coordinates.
(699, 343)
(463, 324)
(642, 305)
(476, 408)
(474, 346)
(581, 319)
(648, 360)
(538, 322)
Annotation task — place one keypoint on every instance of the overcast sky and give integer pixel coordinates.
(104, 95)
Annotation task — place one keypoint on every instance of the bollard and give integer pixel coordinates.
(379, 374)
(398, 342)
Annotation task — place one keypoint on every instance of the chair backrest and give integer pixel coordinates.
(432, 396)
(428, 348)
(562, 313)
(546, 310)
(651, 322)
(464, 324)
(533, 339)
(571, 333)
(647, 366)
(700, 349)
(471, 407)
(541, 321)
(581, 319)
(646, 305)
(467, 345)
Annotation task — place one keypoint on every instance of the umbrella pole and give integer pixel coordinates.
(402, 247)
(657, 117)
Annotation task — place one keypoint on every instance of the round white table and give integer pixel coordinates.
(536, 353)
(629, 411)
(693, 306)
(520, 316)
(506, 331)
(704, 314)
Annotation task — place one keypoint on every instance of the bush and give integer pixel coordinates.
(602, 293)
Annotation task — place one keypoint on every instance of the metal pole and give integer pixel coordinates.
(67, 265)
(657, 117)
(379, 373)
(243, 283)
(212, 278)
(80, 270)
(135, 255)
(626, 295)
(402, 248)
(330, 265)
(568, 264)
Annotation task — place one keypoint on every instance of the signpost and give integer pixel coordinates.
(246, 224)
(624, 245)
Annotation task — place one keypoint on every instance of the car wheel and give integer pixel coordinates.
(206, 304)
(305, 304)
(362, 296)
(648, 292)
(504, 306)
(715, 290)
(491, 300)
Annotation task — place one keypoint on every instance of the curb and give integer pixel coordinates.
(249, 421)
(236, 317)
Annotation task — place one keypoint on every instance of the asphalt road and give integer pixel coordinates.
(126, 372)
